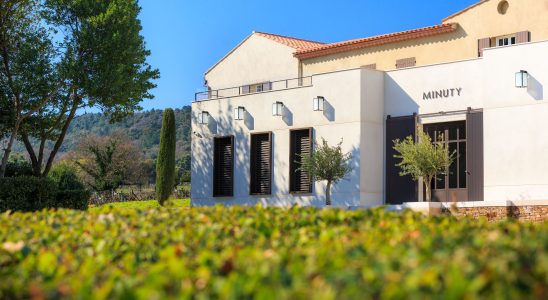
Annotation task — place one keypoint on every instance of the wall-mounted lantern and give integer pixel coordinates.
(203, 117)
(239, 113)
(318, 103)
(522, 79)
(277, 108)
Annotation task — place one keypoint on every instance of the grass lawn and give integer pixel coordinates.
(112, 252)
(143, 204)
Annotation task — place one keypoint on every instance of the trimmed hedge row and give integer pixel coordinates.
(243, 253)
(34, 193)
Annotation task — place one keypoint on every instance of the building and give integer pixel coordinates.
(461, 78)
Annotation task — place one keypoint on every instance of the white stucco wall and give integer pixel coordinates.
(515, 120)
(257, 59)
(340, 120)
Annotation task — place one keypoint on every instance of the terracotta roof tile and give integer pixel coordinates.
(328, 49)
(295, 43)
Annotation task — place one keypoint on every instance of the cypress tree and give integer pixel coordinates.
(165, 165)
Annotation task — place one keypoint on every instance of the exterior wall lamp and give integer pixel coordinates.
(318, 103)
(203, 117)
(239, 113)
(522, 79)
(277, 108)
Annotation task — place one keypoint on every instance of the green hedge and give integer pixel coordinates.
(244, 253)
(27, 193)
(34, 193)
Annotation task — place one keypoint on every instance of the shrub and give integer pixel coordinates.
(27, 193)
(165, 165)
(268, 253)
(72, 192)
(18, 166)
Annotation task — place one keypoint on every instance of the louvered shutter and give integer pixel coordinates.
(399, 189)
(483, 44)
(245, 89)
(523, 37)
(406, 62)
(474, 155)
(261, 164)
(301, 145)
(223, 167)
(370, 66)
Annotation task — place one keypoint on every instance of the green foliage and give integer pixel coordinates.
(327, 163)
(27, 193)
(165, 165)
(18, 166)
(423, 159)
(66, 177)
(268, 253)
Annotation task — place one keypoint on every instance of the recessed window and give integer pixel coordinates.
(503, 7)
(223, 167)
(300, 145)
(261, 164)
(506, 41)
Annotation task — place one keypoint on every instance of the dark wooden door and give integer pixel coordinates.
(399, 189)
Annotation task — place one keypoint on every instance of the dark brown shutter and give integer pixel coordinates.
(223, 167)
(300, 145)
(399, 189)
(261, 164)
(370, 66)
(474, 152)
(523, 37)
(483, 44)
(406, 62)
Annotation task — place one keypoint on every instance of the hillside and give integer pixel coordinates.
(142, 128)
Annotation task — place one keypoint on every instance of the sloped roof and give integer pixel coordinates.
(295, 43)
(328, 49)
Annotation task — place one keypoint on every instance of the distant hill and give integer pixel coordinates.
(142, 128)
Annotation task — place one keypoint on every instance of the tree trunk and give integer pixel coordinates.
(7, 151)
(428, 190)
(328, 194)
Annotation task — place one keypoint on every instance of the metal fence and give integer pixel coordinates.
(254, 88)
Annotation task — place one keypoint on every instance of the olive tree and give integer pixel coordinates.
(423, 159)
(327, 163)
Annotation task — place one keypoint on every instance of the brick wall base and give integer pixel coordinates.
(529, 213)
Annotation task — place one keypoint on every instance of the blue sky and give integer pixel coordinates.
(187, 37)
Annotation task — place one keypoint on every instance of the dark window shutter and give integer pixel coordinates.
(483, 44)
(399, 189)
(245, 89)
(474, 152)
(300, 145)
(223, 167)
(406, 62)
(261, 164)
(523, 37)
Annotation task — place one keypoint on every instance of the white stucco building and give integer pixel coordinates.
(259, 114)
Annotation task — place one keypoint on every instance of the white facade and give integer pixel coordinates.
(515, 126)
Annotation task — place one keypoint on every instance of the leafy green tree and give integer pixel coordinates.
(99, 61)
(28, 79)
(327, 163)
(423, 159)
(165, 165)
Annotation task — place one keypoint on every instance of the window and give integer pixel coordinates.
(223, 166)
(455, 137)
(261, 164)
(256, 88)
(300, 143)
(506, 40)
